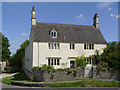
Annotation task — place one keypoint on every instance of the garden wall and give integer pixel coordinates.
(70, 75)
(56, 76)
(109, 74)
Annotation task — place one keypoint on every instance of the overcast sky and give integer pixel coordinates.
(16, 18)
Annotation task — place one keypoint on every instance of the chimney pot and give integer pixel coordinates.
(33, 7)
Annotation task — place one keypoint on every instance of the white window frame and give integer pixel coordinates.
(53, 61)
(87, 45)
(72, 46)
(53, 33)
(54, 46)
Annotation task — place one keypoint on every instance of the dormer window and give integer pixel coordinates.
(53, 33)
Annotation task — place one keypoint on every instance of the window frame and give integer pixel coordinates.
(53, 61)
(88, 46)
(53, 34)
(72, 46)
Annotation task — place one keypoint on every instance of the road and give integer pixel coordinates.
(11, 87)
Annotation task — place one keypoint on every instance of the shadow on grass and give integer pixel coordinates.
(21, 76)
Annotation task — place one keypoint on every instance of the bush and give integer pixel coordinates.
(44, 67)
(20, 76)
(102, 66)
(81, 61)
(65, 69)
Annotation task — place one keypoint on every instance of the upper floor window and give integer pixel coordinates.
(88, 46)
(53, 33)
(54, 45)
(72, 46)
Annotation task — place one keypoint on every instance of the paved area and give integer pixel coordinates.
(6, 75)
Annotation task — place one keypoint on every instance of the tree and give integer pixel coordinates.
(16, 59)
(4, 46)
(110, 56)
(81, 61)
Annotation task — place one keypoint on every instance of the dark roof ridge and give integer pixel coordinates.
(62, 24)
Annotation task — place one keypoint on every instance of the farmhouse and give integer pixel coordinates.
(59, 44)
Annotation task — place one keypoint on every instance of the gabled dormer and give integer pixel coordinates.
(53, 33)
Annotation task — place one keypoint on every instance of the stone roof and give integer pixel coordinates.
(67, 33)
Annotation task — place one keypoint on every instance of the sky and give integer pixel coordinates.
(16, 18)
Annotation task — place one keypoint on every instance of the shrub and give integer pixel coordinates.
(81, 61)
(102, 66)
(65, 69)
(44, 67)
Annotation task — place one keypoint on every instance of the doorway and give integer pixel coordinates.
(72, 64)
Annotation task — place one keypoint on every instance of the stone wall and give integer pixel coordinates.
(56, 76)
(70, 75)
(109, 74)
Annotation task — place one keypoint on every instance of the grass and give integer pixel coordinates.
(18, 77)
(7, 80)
(87, 83)
(6, 71)
(22, 78)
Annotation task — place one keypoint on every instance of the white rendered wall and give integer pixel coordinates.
(40, 56)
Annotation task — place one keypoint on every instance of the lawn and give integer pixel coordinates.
(22, 78)
(7, 80)
(88, 83)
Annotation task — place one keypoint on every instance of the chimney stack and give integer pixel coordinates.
(33, 19)
(96, 20)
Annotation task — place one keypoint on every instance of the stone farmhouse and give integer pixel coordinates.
(59, 44)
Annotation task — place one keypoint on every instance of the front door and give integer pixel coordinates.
(72, 64)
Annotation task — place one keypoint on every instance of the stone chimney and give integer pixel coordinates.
(33, 19)
(96, 20)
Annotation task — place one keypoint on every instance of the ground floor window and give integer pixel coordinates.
(54, 61)
(89, 60)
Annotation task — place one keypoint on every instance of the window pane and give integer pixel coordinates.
(49, 45)
(54, 34)
(84, 46)
(48, 61)
(51, 61)
(87, 45)
(58, 61)
(92, 46)
(73, 46)
(55, 46)
(54, 61)
(70, 46)
(52, 46)
(58, 46)
(90, 60)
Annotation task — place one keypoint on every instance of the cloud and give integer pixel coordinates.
(102, 5)
(109, 9)
(24, 34)
(13, 41)
(80, 16)
(111, 15)
(117, 16)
